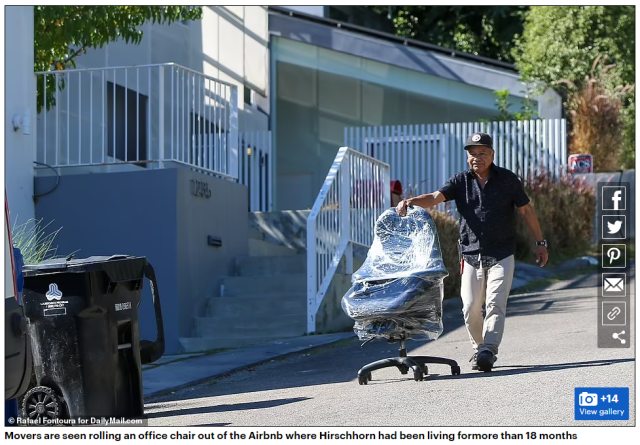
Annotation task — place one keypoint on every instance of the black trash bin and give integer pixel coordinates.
(83, 324)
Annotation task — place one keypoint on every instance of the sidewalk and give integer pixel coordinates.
(178, 371)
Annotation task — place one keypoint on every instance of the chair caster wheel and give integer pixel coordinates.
(369, 376)
(455, 370)
(425, 370)
(403, 370)
(418, 376)
(362, 379)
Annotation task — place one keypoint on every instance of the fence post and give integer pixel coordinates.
(232, 140)
(160, 116)
(345, 210)
(312, 290)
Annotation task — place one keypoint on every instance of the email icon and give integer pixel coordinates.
(614, 285)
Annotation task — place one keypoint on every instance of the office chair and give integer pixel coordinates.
(397, 293)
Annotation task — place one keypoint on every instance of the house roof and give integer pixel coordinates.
(411, 43)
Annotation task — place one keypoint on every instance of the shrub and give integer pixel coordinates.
(449, 233)
(597, 122)
(565, 208)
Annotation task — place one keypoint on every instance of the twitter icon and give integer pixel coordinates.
(614, 227)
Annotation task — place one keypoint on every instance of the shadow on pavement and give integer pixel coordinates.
(500, 371)
(226, 408)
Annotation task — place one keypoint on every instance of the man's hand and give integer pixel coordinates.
(542, 256)
(401, 208)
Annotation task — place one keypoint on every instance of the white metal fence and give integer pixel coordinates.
(256, 169)
(355, 192)
(423, 157)
(141, 115)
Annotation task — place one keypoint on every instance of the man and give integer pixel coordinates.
(486, 197)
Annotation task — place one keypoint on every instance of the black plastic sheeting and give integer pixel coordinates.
(397, 293)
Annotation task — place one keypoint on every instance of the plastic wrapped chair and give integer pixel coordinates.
(397, 293)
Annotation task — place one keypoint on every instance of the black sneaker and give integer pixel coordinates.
(485, 361)
(474, 361)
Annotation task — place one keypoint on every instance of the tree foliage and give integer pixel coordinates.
(487, 31)
(561, 43)
(62, 33)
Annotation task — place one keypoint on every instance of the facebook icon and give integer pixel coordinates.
(613, 198)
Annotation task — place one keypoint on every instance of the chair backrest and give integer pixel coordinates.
(402, 247)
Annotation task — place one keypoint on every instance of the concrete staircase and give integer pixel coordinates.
(265, 298)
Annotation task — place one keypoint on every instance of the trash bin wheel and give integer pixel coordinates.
(41, 403)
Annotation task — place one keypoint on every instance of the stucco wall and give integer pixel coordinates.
(20, 99)
(153, 214)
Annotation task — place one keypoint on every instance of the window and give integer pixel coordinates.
(247, 95)
(126, 124)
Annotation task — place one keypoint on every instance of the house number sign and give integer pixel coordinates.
(200, 188)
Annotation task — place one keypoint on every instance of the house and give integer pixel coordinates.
(167, 149)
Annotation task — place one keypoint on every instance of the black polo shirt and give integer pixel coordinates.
(487, 216)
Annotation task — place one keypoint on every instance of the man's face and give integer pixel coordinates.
(480, 158)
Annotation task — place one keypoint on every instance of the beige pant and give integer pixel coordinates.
(489, 286)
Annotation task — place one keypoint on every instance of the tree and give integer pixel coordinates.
(561, 43)
(487, 31)
(62, 33)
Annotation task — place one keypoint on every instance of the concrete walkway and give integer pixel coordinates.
(178, 371)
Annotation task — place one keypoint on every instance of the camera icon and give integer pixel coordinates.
(588, 399)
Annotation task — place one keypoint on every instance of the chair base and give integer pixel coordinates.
(418, 364)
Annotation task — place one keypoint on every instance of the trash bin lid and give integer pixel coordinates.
(71, 265)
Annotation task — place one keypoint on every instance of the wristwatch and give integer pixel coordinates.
(542, 243)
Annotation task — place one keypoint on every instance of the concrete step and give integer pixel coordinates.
(251, 327)
(246, 286)
(264, 248)
(257, 305)
(286, 228)
(272, 265)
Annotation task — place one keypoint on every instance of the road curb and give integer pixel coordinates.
(281, 349)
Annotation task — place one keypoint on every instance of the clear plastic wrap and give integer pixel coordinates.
(398, 292)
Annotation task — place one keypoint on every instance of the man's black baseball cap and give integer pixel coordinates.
(479, 139)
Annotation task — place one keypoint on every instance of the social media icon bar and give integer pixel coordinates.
(614, 198)
(614, 285)
(614, 220)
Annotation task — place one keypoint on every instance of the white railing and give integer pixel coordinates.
(142, 115)
(423, 157)
(355, 192)
(256, 170)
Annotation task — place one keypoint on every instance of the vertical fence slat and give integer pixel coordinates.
(79, 117)
(563, 143)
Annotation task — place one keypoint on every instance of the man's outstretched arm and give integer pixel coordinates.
(424, 201)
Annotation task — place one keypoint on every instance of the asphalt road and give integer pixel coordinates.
(549, 348)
